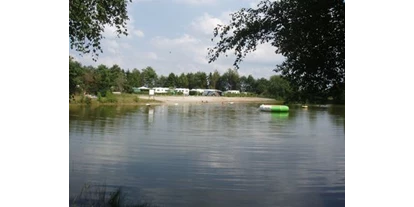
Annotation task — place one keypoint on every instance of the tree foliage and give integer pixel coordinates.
(214, 79)
(200, 79)
(133, 78)
(91, 80)
(261, 86)
(231, 80)
(88, 19)
(192, 82)
(182, 81)
(171, 80)
(309, 33)
(75, 72)
(103, 79)
(148, 77)
(279, 88)
(161, 81)
(118, 78)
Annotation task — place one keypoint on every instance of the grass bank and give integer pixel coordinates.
(112, 99)
(134, 99)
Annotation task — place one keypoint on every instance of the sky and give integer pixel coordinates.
(173, 36)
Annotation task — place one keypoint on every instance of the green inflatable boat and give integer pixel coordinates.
(274, 108)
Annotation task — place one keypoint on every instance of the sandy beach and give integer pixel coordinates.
(207, 99)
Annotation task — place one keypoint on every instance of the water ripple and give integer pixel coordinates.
(211, 155)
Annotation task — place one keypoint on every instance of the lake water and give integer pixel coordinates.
(211, 155)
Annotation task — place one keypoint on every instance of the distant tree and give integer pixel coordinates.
(133, 78)
(118, 78)
(201, 79)
(192, 82)
(171, 80)
(214, 79)
(162, 81)
(209, 77)
(231, 79)
(88, 19)
(104, 79)
(75, 72)
(91, 80)
(261, 86)
(182, 81)
(243, 84)
(148, 77)
(309, 33)
(279, 88)
(250, 84)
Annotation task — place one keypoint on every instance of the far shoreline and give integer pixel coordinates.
(207, 99)
(139, 100)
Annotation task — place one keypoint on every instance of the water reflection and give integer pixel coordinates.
(280, 116)
(211, 155)
(150, 115)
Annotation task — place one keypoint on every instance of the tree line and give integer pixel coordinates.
(102, 78)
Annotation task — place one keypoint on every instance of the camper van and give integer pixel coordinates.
(212, 92)
(185, 91)
(232, 92)
(160, 90)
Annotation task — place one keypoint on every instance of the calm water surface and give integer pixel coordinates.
(211, 155)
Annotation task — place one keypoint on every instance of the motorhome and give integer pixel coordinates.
(185, 91)
(212, 92)
(160, 90)
(232, 92)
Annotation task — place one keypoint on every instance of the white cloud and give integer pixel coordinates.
(183, 49)
(125, 45)
(253, 3)
(260, 62)
(151, 55)
(196, 2)
(112, 60)
(265, 53)
(189, 52)
(205, 24)
(133, 1)
(112, 46)
(168, 43)
(139, 33)
(184, 54)
(111, 33)
(131, 27)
